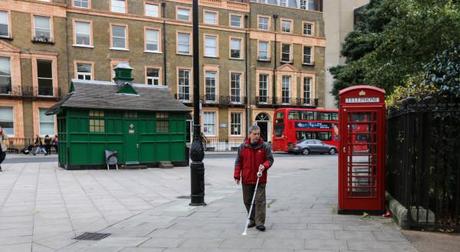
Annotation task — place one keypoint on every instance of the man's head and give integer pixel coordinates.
(254, 134)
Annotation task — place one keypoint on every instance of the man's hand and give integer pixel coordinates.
(237, 181)
(261, 169)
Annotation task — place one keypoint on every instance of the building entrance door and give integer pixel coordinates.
(262, 120)
(131, 142)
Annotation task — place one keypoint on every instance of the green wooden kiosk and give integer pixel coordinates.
(143, 123)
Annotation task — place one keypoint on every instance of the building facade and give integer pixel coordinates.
(339, 18)
(255, 56)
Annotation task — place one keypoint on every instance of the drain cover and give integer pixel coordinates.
(183, 197)
(92, 236)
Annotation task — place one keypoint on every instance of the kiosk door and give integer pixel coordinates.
(360, 150)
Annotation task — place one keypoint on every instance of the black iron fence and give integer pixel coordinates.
(423, 161)
(29, 91)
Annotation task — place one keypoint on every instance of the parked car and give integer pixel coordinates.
(308, 146)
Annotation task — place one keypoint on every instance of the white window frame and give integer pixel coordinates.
(151, 41)
(50, 24)
(154, 13)
(236, 125)
(183, 87)
(303, 4)
(259, 55)
(208, 47)
(112, 46)
(209, 122)
(88, 2)
(12, 120)
(90, 33)
(7, 23)
(155, 80)
(286, 89)
(117, 7)
(84, 74)
(7, 90)
(208, 88)
(235, 92)
(240, 17)
(312, 28)
(179, 44)
(45, 78)
(51, 121)
(307, 92)
(259, 23)
(286, 21)
(306, 4)
(178, 14)
(310, 61)
(290, 53)
(240, 49)
(215, 17)
(267, 81)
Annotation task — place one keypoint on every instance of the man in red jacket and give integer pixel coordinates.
(254, 155)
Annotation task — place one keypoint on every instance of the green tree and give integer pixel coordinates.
(396, 40)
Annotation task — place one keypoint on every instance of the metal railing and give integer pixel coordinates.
(287, 101)
(28, 91)
(221, 144)
(16, 144)
(423, 158)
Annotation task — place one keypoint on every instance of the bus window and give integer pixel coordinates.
(279, 129)
(324, 136)
(294, 115)
(308, 115)
(324, 116)
(280, 115)
(335, 116)
(302, 135)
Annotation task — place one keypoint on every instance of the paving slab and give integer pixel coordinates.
(144, 210)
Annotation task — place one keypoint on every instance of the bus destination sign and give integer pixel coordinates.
(313, 125)
(362, 100)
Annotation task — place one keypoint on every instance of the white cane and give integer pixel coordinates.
(259, 174)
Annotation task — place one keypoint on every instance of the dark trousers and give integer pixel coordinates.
(48, 148)
(2, 155)
(259, 209)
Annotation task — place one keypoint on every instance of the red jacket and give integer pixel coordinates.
(248, 160)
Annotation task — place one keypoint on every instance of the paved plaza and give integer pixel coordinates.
(43, 208)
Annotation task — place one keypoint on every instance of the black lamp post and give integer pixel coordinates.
(197, 151)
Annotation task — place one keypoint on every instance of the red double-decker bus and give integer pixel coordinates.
(292, 125)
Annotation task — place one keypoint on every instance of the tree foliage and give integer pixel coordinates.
(398, 40)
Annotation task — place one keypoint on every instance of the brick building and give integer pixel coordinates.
(255, 56)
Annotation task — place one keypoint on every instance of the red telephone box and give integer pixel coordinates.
(362, 116)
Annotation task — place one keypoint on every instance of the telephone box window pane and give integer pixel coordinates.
(361, 154)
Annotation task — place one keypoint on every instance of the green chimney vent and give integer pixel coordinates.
(123, 73)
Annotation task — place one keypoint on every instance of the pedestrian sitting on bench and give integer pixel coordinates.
(38, 146)
(47, 145)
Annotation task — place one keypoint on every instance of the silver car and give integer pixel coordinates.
(312, 146)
